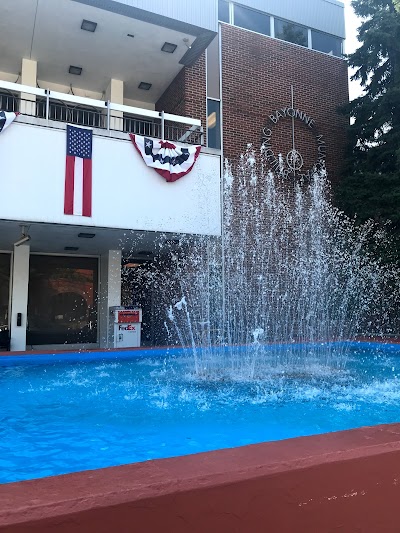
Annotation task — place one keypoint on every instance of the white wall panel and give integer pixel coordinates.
(126, 193)
(201, 13)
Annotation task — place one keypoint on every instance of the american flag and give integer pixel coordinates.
(78, 172)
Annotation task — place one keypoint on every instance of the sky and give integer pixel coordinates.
(352, 23)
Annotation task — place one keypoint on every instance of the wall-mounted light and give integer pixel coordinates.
(22, 240)
(24, 236)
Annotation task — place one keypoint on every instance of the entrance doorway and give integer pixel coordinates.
(62, 300)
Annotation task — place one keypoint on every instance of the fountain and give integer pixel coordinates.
(290, 271)
(260, 325)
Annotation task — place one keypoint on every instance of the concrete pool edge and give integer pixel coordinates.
(348, 480)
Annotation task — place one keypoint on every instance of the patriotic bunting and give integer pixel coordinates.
(169, 160)
(6, 119)
(78, 172)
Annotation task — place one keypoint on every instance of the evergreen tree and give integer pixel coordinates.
(370, 186)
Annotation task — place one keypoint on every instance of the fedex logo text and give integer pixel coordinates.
(126, 327)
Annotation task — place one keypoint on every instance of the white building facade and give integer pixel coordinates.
(91, 64)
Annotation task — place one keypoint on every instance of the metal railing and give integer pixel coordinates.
(9, 102)
(179, 134)
(82, 116)
(51, 105)
(141, 127)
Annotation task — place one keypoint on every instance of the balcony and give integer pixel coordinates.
(127, 195)
(105, 115)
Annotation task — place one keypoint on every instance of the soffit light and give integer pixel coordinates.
(144, 85)
(86, 235)
(88, 25)
(75, 70)
(71, 248)
(169, 47)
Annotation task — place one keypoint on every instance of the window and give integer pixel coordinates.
(326, 43)
(62, 300)
(213, 124)
(213, 69)
(223, 11)
(251, 20)
(292, 33)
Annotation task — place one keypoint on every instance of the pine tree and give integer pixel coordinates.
(370, 186)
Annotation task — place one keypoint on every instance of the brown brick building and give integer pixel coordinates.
(268, 80)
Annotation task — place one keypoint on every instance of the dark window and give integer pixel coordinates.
(293, 33)
(251, 20)
(62, 300)
(326, 43)
(213, 124)
(4, 288)
(223, 11)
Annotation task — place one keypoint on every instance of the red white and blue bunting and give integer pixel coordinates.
(169, 160)
(6, 118)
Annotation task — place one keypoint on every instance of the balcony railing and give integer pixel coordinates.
(55, 106)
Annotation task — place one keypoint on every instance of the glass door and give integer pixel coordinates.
(62, 300)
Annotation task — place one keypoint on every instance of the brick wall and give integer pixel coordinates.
(257, 74)
(186, 95)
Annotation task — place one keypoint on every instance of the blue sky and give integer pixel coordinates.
(352, 23)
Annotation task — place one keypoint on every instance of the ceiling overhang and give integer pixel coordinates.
(64, 239)
(203, 36)
(50, 33)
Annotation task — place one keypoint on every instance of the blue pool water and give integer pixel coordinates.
(67, 413)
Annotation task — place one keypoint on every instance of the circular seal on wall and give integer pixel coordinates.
(294, 160)
(293, 164)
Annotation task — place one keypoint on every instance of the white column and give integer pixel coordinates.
(109, 294)
(115, 93)
(19, 296)
(28, 77)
